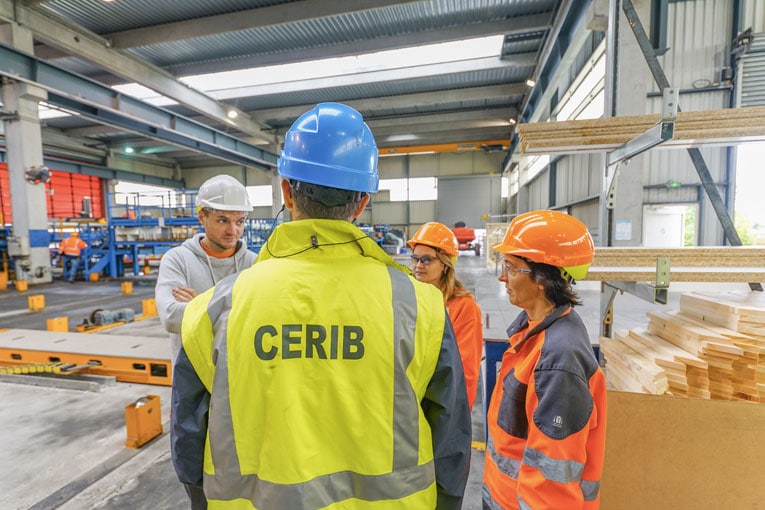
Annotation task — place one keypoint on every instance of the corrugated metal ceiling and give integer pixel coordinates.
(211, 40)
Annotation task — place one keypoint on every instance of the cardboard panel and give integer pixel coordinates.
(683, 453)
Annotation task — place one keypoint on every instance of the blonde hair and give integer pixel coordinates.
(449, 284)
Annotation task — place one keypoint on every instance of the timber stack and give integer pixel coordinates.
(693, 128)
(713, 347)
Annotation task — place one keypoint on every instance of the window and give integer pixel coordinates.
(131, 193)
(403, 190)
(261, 195)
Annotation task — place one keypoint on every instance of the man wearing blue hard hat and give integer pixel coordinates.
(325, 375)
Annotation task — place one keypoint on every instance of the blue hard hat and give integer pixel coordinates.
(331, 146)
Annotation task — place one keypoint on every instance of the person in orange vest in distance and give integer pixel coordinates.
(72, 247)
(434, 256)
(547, 413)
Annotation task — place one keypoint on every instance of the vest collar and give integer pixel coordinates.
(296, 237)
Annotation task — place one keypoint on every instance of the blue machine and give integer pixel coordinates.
(136, 230)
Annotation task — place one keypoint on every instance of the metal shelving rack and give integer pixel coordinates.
(141, 225)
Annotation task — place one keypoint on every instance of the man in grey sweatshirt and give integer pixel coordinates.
(203, 260)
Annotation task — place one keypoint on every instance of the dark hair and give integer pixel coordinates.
(557, 289)
(303, 194)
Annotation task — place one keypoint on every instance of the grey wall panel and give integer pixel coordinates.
(466, 199)
(391, 213)
(753, 15)
(365, 217)
(697, 35)
(688, 194)
(262, 212)
(426, 165)
(578, 178)
(589, 213)
(538, 191)
(422, 211)
(435, 165)
(751, 74)
(392, 167)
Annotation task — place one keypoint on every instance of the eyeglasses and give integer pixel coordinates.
(511, 269)
(422, 260)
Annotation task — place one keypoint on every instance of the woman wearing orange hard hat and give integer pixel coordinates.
(434, 255)
(547, 413)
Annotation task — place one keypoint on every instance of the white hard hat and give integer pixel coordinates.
(223, 193)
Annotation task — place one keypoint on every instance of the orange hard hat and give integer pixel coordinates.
(550, 237)
(436, 235)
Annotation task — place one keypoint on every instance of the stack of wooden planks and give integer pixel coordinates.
(699, 264)
(719, 127)
(713, 347)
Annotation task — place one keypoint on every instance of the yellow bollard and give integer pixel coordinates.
(127, 287)
(143, 421)
(149, 307)
(36, 302)
(57, 324)
(21, 285)
(93, 277)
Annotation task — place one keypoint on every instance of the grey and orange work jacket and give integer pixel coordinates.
(546, 418)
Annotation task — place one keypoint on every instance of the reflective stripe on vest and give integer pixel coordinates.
(557, 470)
(406, 478)
(561, 471)
(506, 465)
(488, 501)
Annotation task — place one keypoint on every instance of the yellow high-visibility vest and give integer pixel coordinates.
(316, 364)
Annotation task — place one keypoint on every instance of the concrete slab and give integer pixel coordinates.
(53, 437)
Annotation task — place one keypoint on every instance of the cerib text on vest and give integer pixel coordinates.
(309, 341)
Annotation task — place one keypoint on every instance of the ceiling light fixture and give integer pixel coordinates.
(512, 122)
(530, 82)
(232, 114)
(129, 150)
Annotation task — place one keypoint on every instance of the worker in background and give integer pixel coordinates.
(202, 261)
(325, 375)
(547, 414)
(434, 256)
(72, 247)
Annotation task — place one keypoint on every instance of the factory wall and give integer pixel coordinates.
(406, 216)
(697, 61)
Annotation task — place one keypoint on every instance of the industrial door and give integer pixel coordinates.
(467, 199)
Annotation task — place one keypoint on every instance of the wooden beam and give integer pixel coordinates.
(710, 127)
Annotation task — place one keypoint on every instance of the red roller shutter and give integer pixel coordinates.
(64, 194)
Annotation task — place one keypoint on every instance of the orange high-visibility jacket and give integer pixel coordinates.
(466, 321)
(546, 418)
(72, 246)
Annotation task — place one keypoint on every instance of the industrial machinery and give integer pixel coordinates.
(466, 238)
(141, 227)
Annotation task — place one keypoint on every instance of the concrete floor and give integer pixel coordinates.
(65, 448)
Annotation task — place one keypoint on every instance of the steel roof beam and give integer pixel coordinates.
(260, 17)
(488, 116)
(403, 100)
(521, 24)
(376, 77)
(105, 105)
(58, 32)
